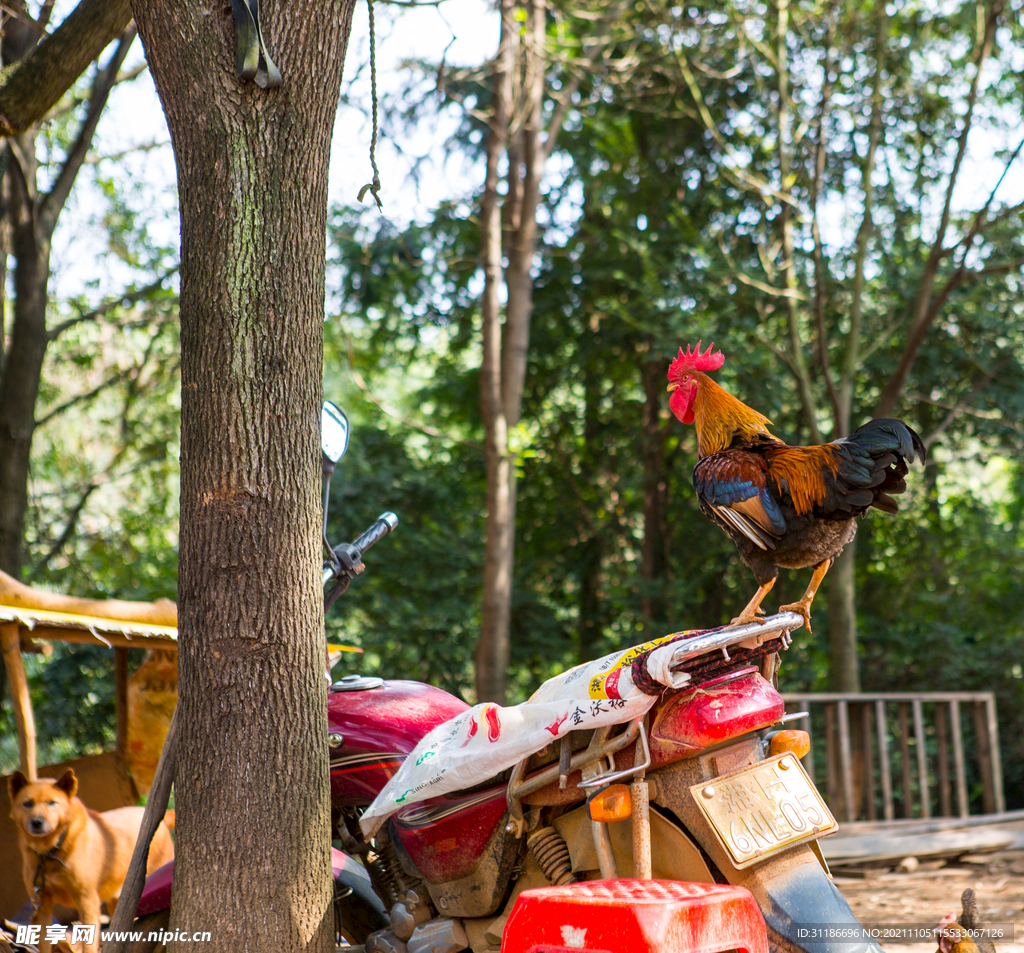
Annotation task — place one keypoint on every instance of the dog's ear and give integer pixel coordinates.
(15, 783)
(68, 783)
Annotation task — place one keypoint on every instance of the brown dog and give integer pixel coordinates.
(72, 855)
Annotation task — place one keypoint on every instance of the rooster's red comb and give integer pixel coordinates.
(695, 361)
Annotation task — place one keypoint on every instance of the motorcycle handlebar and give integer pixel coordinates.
(384, 524)
(348, 556)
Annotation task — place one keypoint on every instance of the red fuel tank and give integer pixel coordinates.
(373, 724)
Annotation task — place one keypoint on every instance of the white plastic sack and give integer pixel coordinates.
(487, 739)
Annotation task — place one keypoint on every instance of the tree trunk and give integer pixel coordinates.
(844, 668)
(492, 650)
(652, 557)
(252, 789)
(33, 217)
(24, 359)
(505, 347)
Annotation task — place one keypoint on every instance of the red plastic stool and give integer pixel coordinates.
(635, 916)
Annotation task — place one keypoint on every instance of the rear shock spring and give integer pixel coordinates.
(393, 879)
(552, 854)
(383, 881)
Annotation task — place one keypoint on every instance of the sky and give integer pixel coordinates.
(466, 31)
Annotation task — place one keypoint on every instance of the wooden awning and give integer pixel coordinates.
(29, 618)
(41, 624)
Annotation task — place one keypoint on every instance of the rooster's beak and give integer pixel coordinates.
(672, 387)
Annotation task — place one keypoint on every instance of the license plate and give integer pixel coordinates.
(764, 809)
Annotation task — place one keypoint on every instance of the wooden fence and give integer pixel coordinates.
(894, 754)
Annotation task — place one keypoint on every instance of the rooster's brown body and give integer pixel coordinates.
(788, 507)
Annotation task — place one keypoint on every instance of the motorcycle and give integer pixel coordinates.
(704, 786)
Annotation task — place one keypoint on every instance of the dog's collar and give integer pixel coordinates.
(40, 877)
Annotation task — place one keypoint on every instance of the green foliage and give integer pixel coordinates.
(662, 224)
(414, 611)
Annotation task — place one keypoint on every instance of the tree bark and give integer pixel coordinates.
(844, 670)
(492, 650)
(19, 389)
(652, 557)
(252, 791)
(503, 371)
(30, 88)
(844, 662)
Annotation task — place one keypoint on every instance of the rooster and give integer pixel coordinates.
(964, 933)
(785, 506)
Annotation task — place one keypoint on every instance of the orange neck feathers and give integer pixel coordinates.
(720, 417)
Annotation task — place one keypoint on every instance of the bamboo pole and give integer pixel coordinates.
(121, 701)
(156, 807)
(21, 702)
(997, 764)
(869, 773)
(907, 787)
(845, 765)
(942, 743)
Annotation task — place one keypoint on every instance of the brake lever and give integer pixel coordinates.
(332, 596)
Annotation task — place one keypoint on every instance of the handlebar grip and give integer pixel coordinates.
(384, 524)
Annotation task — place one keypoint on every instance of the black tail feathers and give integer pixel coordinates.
(889, 434)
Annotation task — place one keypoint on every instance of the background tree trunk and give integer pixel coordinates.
(844, 667)
(492, 649)
(252, 787)
(512, 230)
(24, 358)
(32, 220)
(653, 562)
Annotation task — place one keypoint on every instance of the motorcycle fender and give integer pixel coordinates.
(802, 908)
(348, 873)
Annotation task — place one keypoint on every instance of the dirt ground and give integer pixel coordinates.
(924, 896)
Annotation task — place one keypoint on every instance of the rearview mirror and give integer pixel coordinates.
(334, 430)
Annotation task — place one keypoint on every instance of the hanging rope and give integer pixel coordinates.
(373, 187)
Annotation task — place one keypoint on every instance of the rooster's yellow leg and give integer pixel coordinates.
(804, 605)
(753, 608)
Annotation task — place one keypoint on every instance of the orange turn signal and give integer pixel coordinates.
(612, 804)
(792, 742)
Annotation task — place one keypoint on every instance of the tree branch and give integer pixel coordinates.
(796, 351)
(966, 402)
(980, 223)
(924, 313)
(69, 529)
(22, 16)
(129, 297)
(393, 411)
(33, 85)
(117, 156)
(104, 82)
(81, 398)
(851, 359)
